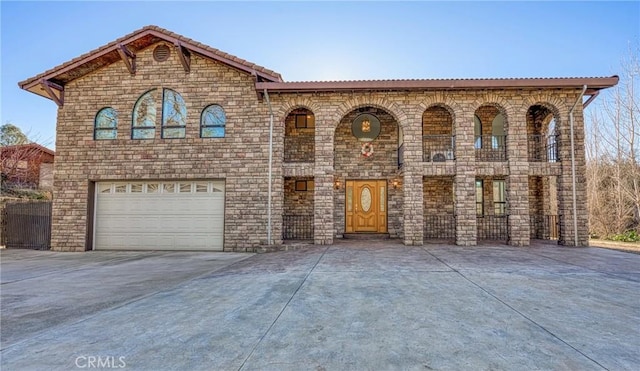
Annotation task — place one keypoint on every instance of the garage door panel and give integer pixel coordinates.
(160, 221)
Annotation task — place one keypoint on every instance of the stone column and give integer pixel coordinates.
(323, 182)
(518, 180)
(565, 182)
(464, 180)
(412, 206)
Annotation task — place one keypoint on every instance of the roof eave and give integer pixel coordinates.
(594, 84)
(32, 84)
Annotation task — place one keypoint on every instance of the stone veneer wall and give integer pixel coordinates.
(350, 164)
(240, 158)
(299, 142)
(297, 202)
(536, 195)
(439, 207)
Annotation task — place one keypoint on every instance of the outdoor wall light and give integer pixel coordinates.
(395, 183)
(336, 184)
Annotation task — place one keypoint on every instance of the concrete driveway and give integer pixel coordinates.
(353, 305)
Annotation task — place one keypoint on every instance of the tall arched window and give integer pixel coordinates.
(212, 122)
(106, 124)
(552, 142)
(498, 138)
(144, 116)
(174, 114)
(477, 131)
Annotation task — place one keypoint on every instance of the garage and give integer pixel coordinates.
(159, 215)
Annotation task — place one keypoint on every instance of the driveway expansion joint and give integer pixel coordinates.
(283, 308)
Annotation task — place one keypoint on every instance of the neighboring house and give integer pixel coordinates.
(27, 165)
(166, 143)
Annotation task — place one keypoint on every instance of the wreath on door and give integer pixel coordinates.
(367, 149)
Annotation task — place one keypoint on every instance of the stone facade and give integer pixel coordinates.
(415, 124)
(240, 158)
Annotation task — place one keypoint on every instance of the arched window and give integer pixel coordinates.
(552, 141)
(212, 122)
(174, 114)
(106, 124)
(144, 116)
(498, 138)
(477, 131)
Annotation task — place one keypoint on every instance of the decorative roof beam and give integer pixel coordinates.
(184, 55)
(51, 88)
(128, 58)
(591, 98)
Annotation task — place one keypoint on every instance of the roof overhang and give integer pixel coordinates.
(594, 84)
(50, 84)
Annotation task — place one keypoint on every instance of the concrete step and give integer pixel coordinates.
(366, 236)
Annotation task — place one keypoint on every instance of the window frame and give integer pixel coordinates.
(480, 203)
(477, 142)
(500, 199)
(97, 129)
(135, 128)
(222, 125)
(164, 116)
(308, 117)
(303, 185)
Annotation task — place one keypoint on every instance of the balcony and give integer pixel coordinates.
(543, 148)
(438, 148)
(491, 148)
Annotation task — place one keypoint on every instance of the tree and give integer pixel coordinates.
(12, 135)
(613, 155)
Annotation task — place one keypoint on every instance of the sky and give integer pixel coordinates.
(324, 40)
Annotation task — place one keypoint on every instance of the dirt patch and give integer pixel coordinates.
(633, 247)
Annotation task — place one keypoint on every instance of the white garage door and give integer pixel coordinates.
(163, 215)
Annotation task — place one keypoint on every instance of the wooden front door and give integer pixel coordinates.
(366, 206)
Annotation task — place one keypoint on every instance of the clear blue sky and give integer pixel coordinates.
(326, 40)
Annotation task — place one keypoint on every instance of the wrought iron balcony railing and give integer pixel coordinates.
(297, 227)
(543, 148)
(544, 227)
(438, 148)
(491, 147)
(440, 226)
(492, 227)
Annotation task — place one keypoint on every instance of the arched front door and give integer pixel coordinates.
(366, 206)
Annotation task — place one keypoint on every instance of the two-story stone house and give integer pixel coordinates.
(166, 143)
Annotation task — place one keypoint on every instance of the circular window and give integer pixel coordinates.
(161, 53)
(366, 127)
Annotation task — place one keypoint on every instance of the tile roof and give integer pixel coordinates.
(155, 33)
(593, 84)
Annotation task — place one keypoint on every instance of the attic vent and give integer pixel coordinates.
(161, 53)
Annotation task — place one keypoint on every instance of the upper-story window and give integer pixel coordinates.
(174, 114)
(497, 132)
(144, 116)
(477, 132)
(212, 122)
(106, 124)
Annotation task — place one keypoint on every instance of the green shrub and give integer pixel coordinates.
(628, 236)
